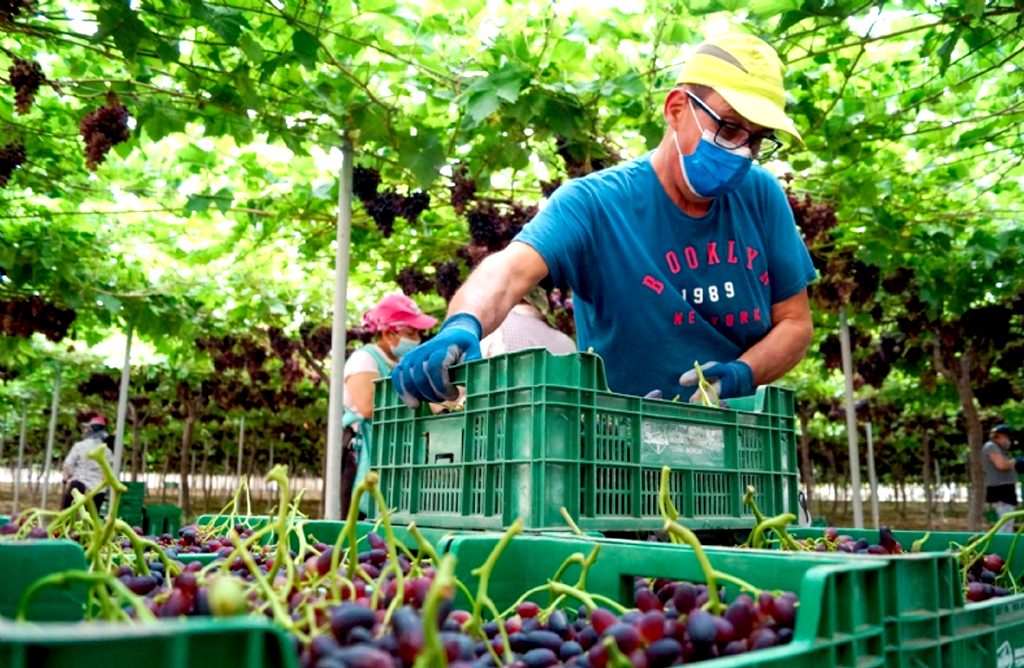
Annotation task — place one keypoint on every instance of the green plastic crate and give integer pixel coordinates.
(161, 519)
(25, 561)
(937, 541)
(542, 431)
(243, 642)
(129, 506)
(855, 610)
(327, 531)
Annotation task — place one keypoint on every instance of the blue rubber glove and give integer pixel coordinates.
(422, 375)
(735, 379)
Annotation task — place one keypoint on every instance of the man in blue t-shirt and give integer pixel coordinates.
(688, 254)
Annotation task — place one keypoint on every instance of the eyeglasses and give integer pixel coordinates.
(730, 135)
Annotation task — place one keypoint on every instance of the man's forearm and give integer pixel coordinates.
(779, 351)
(498, 284)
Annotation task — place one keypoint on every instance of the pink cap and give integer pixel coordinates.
(98, 420)
(395, 311)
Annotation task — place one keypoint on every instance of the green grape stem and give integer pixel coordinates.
(705, 387)
(442, 587)
(665, 506)
(616, 659)
(482, 600)
(688, 537)
(117, 489)
(281, 615)
(66, 578)
(1013, 548)
(572, 524)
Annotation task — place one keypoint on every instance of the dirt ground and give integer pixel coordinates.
(950, 517)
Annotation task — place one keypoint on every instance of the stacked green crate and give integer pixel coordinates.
(129, 506)
(540, 432)
(161, 519)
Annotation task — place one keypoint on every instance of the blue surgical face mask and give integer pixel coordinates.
(712, 170)
(403, 347)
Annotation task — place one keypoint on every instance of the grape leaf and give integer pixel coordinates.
(424, 156)
(305, 47)
(227, 22)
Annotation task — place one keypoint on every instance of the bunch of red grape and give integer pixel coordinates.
(365, 182)
(104, 128)
(282, 346)
(898, 282)
(26, 78)
(101, 385)
(12, 9)
(815, 219)
(548, 188)
(413, 205)
(833, 541)
(383, 210)
(384, 206)
(414, 280)
(874, 369)
(463, 189)
(982, 576)
(317, 340)
(844, 281)
(24, 317)
(578, 160)
(12, 156)
(447, 279)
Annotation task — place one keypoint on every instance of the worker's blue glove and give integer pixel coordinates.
(735, 379)
(422, 374)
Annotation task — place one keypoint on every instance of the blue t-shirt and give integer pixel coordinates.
(655, 289)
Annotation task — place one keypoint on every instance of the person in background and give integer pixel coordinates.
(79, 471)
(1000, 473)
(527, 326)
(397, 323)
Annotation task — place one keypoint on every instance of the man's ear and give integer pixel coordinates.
(675, 105)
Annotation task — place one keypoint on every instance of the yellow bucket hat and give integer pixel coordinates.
(747, 73)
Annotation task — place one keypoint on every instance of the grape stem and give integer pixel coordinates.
(482, 600)
(441, 588)
(665, 506)
(568, 520)
(117, 488)
(704, 387)
(690, 539)
(66, 578)
(281, 615)
(778, 525)
(396, 566)
(616, 659)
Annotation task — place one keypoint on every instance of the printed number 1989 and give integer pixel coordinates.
(711, 293)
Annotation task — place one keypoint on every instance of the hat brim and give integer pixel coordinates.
(758, 110)
(421, 321)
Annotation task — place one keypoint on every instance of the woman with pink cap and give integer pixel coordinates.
(396, 322)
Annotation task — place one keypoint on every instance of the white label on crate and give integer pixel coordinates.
(1004, 656)
(672, 443)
